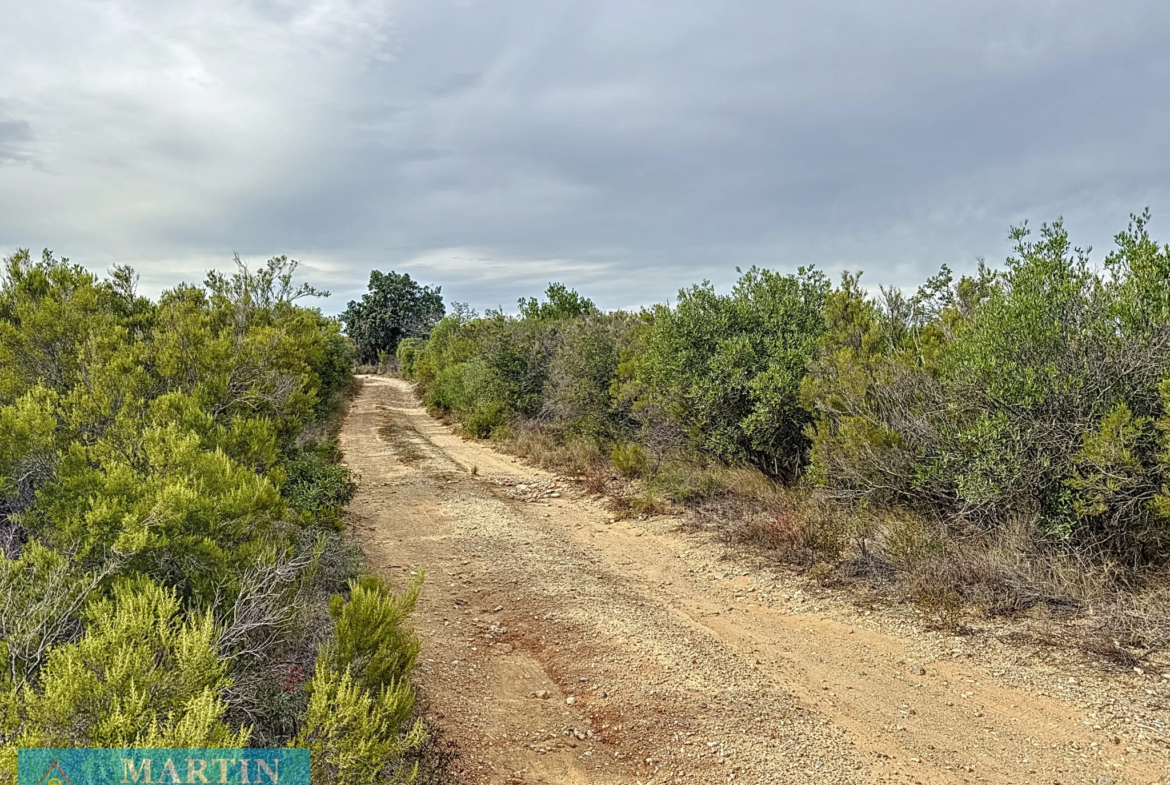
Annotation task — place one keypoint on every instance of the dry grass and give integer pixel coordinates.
(751, 483)
(389, 368)
(799, 526)
(597, 479)
(1131, 626)
(949, 573)
(641, 505)
(576, 456)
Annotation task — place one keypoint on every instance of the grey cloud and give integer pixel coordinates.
(458, 83)
(625, 146)
(15, 140)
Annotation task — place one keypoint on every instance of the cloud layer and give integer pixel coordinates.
(627, 147)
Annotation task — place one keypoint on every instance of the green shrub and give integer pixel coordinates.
(373, 643)
(729, 368)
(1031, 392)
(360, 699)
(629, 459)
(160, 588)
(560, 304)
(483, 420)
(579, 395)
(318, 486)
(910, 541)
(487, 371)
(408, 352)
(141, 676)
(354, 736)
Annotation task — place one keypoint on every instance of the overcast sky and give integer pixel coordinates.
(625, 147)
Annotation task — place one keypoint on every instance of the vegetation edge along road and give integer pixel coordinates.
(563, 646)
(996, 444)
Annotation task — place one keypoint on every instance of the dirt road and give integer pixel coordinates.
(561, 648)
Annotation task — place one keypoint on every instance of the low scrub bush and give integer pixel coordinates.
(373, 643)
(317, 485)
(169, 506)
(644, 503)
(140, 676)
(358, 725)
(687, 483)
(576, 455)
(1005, 431)
(629, 459)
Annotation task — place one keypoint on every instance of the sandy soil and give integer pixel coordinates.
(561, 648)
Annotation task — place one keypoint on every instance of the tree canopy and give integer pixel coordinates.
(395, 307)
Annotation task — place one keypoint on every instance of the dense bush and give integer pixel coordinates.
(578, 396)
(724, 370)
(728, 368)
(142, 676)
(488, 371)
(1028, 406)
(167, 544)
(360, 700)
(317, 484)
(407, 355)
(1031, 392)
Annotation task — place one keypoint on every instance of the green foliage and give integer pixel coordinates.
(629, 459)
(578, 396)
(408, 352)
(485, 371)
(560, 303)
(1161, 500)
(185, 515)
(27, 450)
(250, 294)
(686, 482)
(318, 486)
(353, 734)
(1140, 276)
(49, 310)
(360, 701)
(166, 545)
(141, 676)
(1108, 466)
(1037, 392)
(43, 594)
(555, 362)
(729, 368)
(395, 307)
(1026, 393)
(373, 644)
